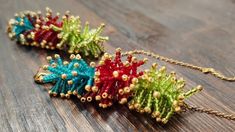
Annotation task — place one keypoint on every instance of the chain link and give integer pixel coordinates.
(210, 111)
(204, 70)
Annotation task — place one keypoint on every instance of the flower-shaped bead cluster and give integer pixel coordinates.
(22, 23)
(159, 94)
(68, 77)
(114, 79)
(51, 32)
(83, 41)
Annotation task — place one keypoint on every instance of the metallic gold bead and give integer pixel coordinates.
(49, 58)
(124, 77)
(89, 99)
(147, 110)
(70, 82)
(88, 88)
(134, 80)
(63, 76)
(115, 74)
(57, 56)
(74, 73)
(104, 95)
(94, 89)
(156, 94)
(123, 101)
(97, 97)
(83, 99)
(127, 90)
(177, 109)
(92, 64)
(45, 67)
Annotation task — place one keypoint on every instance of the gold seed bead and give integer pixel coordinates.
(115, 74)
(124, 77)
(92, 64)
(104, 95)
(45, 67)
(97, 97)
(123, 101)
(134, 80)
(156, 94)
(65, 62)
(74, 73)
(78, 57)
(49, 58)
(63, 76)
(88, 88)
(94, 89)
(57, 56)
(118, 50)
(70, 82)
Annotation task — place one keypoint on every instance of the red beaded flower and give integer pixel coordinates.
(114, 79)
(43, 35)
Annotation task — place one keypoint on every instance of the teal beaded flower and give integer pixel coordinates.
(159, 94)
(68, 77)
(22, 22)
(85, 41)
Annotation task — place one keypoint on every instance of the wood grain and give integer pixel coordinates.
(201, 32)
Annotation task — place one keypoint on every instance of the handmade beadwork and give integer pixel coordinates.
(51, 32)
(84, 41)
(23, 22)
(159, 94)
(68, 77)
(114, 79)
(43, 35)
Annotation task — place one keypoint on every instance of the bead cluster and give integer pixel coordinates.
(68, 77)
(114, 79)
(51, 32)
(153, 91)
(159, 94)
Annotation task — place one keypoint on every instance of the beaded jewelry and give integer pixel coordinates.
(114, 79)
(159, 94)
(23, 22)
(151, 91)
(83, 41)
(51, 32)
(68, 77)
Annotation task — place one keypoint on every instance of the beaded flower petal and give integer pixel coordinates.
(23, 22)
(114, 80)
(43, 35)
(159, 94)
(84, 41)
(68, 77)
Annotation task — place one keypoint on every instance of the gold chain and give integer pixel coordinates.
(204, 70)
(210, 111)
(180, 63)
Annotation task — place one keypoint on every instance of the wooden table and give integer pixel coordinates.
(201, 32)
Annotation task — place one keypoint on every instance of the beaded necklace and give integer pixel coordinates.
(153, 91)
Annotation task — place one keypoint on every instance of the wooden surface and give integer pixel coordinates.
(201, 32)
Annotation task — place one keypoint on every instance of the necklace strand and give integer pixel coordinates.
(204, 70)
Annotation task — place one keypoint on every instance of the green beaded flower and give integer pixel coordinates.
(159, 94)
(85, 41)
